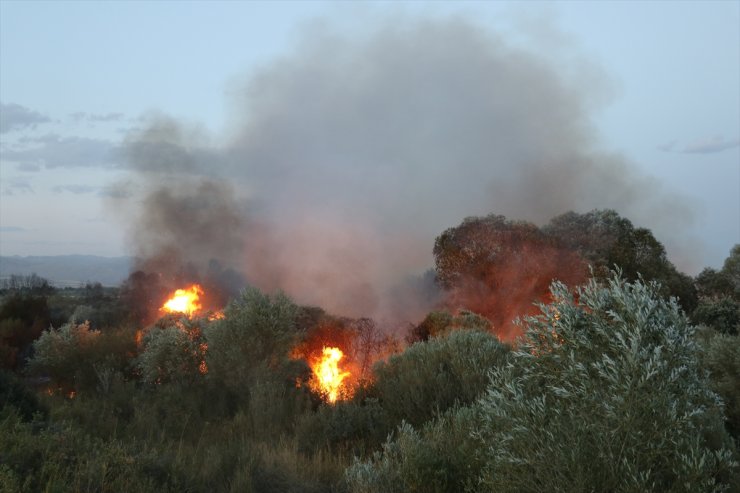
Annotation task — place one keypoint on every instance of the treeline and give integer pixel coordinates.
(612, 384)
(19, 282)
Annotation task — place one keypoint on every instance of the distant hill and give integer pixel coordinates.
(69, 270)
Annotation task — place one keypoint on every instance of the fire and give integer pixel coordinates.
(185, 301)
(327, 375)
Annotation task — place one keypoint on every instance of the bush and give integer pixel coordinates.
(606, 390)
(61, 354)
(441, 458)
(722, 359)
(170, 355)
(432, 376)
(256, 329)
(439, 323)
(413, 387)
(13, 393)
(77, 358)
(722, 314)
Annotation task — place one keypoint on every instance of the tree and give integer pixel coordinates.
(62, 354)
(606, 240)
(256, 330)
(719, 296)
(498, 268)
(23, 317)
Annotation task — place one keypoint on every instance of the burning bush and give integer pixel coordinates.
(414, 386)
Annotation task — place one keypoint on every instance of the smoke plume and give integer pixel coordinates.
(350, 154)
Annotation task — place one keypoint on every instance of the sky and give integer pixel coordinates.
(77, 79)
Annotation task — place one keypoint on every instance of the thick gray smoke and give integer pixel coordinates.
(349, 155)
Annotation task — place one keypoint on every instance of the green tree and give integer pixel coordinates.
(171, 354)
(719, 296)
(605, 240)
(722, 358)
(257, 331)
(23, 317)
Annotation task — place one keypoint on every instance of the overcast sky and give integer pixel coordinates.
(77, 77)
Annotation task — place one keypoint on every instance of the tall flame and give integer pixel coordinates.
(328, 376)
(185, 301)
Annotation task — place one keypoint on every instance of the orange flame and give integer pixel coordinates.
(327, 375)
(185, 301)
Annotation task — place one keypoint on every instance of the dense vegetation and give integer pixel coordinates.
(614, 384)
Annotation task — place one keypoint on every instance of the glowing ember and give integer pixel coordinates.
(328, 376)
(203, 367)
(184, 301)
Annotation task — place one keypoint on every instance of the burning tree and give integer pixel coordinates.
(498, 268)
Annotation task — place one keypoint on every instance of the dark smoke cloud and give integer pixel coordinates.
(353, 152)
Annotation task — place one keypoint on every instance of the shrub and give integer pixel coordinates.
(13, 393)
(432, 376)
(722, 359)
(61, 354)
(605, 389)
(722, 314)
(169, 355)
(256, 329)
(441, 458)
(77, 358)
(413, 387)
(604, 392)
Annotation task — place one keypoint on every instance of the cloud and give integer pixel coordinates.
(75, 189)
(97, 117)
(15, 186)
(117, 191)
(15, 117)
(29, 167)
(710, 145)
(63, 152)
(12, 229)
(668, 146)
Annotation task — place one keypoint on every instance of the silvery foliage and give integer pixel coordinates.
(170, 354)
(604, 393)
(59, 352)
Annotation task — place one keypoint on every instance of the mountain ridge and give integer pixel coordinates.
(69, 270)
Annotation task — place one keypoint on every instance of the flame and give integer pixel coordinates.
(184, 301)
(328, 377)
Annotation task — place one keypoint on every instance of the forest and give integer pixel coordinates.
(569, 357)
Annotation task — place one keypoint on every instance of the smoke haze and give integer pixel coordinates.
(348, 156)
